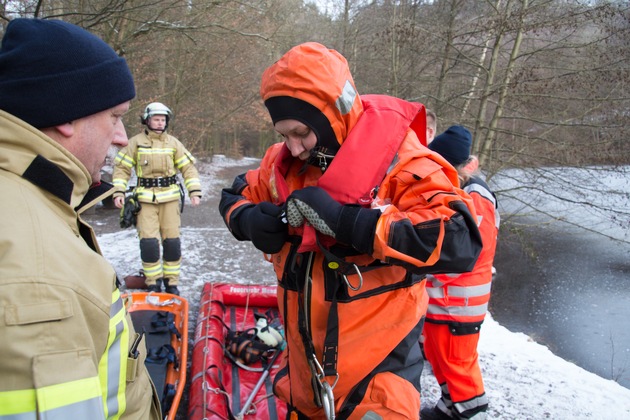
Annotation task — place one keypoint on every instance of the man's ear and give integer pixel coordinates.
(66, 130)
(59, 132)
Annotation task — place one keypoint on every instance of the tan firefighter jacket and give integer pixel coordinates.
(156, 156)
(64, 332)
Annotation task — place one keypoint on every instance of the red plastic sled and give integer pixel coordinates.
(220, 387)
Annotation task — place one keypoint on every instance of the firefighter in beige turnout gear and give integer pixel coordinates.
(156, 157)
(66, 341)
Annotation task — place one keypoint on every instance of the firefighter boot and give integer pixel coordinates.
(170, 289)
(157, 287)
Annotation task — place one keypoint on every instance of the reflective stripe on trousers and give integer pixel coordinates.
(464, 292)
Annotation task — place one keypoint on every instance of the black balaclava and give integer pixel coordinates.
(287, 107)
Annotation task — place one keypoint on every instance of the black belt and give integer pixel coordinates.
(157, 182)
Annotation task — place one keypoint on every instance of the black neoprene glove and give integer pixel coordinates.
(261, 223)
(349, 224)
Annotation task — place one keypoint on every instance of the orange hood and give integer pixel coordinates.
(318, 76)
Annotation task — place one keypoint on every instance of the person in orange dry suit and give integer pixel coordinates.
(354, 213)
(458, 302)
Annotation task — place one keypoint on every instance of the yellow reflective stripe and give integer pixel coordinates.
(192, 183)
(156, 151)
(171, 269)
(152, 270)
(68, 393)
(184, 160)
(161, 196)
(113, 364)
(124, 160)
(13, 403)
(120, 183)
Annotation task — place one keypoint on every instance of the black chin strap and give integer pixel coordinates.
(320, 157)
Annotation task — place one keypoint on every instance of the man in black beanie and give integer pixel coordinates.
(453, 145)
(453, 322)
(64, 334)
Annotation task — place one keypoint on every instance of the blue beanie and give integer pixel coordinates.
(53, 72)
(453, 145)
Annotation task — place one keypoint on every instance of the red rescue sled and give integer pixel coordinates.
(219, 385)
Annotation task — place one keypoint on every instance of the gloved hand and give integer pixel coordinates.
(349, 224)
(261, 223)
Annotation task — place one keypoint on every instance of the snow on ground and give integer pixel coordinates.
(524, 380)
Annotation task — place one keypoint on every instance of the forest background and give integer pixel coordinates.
(539, 83)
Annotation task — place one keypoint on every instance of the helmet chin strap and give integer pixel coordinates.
(157, 130)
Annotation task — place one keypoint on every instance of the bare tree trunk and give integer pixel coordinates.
(505, 86)
(482, 60)
(446, 56)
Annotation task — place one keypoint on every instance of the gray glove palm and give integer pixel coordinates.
(352, 225)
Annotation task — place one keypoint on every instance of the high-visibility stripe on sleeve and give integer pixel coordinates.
(479, 189)
(120, 184)
(124, 159)
(80, 399)
(184, 160)
(97, 397)
(17, 405)
(192, 184)
(482, 191)
(75, 399)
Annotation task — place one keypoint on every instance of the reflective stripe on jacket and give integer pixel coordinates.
(154, 155)
(463, 298)
(64, 333)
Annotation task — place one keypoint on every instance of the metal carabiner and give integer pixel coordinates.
(328, 400)
(345, 279)
(326, 395)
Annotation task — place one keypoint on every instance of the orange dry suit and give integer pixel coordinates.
(357, 333)
(156, 158)
(457, 307)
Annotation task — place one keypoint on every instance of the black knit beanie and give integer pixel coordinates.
(287, 107)
(453, 145)
(53, 72)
